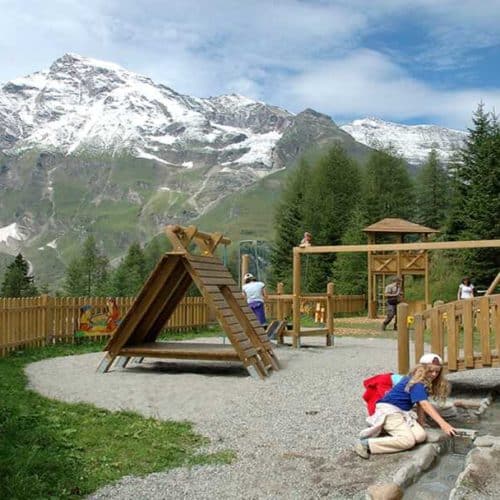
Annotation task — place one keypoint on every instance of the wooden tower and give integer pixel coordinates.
(137, 334)
(401, 263)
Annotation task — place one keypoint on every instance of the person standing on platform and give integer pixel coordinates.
(393, 294)
(255, 294)
(465, 289)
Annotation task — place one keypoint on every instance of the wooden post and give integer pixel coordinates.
(372, 290)
(280, 310)
(427, 293)
(493, 285)
(296, 298)
(46, 326)
(468, 326)
(245, 261)
(451, 322)
(483, 323)
(403, 339)
(329, 313)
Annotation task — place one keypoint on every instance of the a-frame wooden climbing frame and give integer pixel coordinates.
(137, 334)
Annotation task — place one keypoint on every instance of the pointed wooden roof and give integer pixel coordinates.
(393, 225)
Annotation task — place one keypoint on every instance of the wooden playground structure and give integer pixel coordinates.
(138, 332)
(465, 333)
(382, 264)
(405, 259)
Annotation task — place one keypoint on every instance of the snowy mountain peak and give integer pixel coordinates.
(412, 142)
(81, 103)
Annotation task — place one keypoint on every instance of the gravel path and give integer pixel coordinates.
(292, 433)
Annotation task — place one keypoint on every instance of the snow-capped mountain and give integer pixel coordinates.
(81, 104)
(89, 146)
(412, 142)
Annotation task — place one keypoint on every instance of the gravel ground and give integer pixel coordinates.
(292, 433)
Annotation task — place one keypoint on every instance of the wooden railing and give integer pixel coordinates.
(465, 333)
(280, 305)
(38, 321)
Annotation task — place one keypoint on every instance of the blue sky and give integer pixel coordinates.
(424, 61)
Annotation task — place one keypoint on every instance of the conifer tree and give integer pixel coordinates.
(289, 223)
(332, 195)
(87, 275)
(350, 270)
(129, 276)
(388, 188)
(432, 190)
(479, 176)
(17, 282)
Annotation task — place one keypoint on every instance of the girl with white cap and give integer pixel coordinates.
(254, 292)
(394, 415)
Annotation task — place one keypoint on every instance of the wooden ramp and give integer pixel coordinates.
(137, 333)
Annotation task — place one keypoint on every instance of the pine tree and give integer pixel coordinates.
(332, 195)
(479, 177)
(432, 191)
(17, 282)
(289, 223)
(388, 188)
(129, 276)
(350, 270)
(87, 275)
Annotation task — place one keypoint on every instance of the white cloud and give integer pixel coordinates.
(294, 53)
(368, 83)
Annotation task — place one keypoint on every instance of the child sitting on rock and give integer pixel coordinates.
(394, 415)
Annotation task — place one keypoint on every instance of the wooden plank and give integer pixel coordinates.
(440, 245)
(495, 322)
(436, 341)
(468, 326)
(182, 350)
(149, 292)
(218, 273)
(483, 323)
(419, 324)
(452, 328)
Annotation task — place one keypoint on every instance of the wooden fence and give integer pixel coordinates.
(465, 333)
(280, 305)
(38, 321)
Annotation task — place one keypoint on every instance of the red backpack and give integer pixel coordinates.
(376, 388)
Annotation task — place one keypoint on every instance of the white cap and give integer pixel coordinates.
(430, 359)
(248, 276)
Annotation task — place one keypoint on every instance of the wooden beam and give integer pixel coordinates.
(493, 285)
(296, 298)
(437, 245)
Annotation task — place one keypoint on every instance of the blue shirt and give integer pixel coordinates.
(405, 400)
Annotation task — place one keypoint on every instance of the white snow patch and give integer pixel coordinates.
(164, 188)
(261, 146)
(147, 156)
(52, 244)
(11, 232)
(188, 164)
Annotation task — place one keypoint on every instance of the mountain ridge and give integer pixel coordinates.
(89, 147)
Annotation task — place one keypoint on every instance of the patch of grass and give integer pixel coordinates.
(50, 449)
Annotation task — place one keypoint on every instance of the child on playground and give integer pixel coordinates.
(394, 415)
(306, 240)
(254, 292)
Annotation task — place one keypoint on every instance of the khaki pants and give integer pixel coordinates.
(402, 436)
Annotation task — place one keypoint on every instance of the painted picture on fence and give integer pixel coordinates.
(93, 321)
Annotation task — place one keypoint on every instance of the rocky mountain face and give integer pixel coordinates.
(89, 146)
(412, 142)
